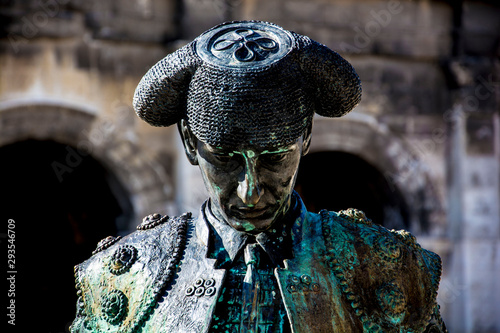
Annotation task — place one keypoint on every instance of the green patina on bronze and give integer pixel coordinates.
(349, 268)
(255, 260)
(110, 302)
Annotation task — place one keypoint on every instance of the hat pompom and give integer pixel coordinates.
(161, 96)
(335, 86)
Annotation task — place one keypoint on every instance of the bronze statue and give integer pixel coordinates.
(254, 260)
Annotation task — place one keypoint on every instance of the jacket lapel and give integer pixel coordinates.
(310, 291)
(188, 307)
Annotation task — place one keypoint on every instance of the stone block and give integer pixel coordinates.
(481, 277)
(481, 28)
(403, 28)
(119, 59)
(263, 10)
(201, 15)
(481, 135)
(304, 11)
(22, 26)
(130, 20)
(481, 198)
(401, 87)
(191, 191)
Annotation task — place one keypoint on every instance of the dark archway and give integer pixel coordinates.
(62, 203)
(337, 180)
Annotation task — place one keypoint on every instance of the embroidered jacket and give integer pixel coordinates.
(346, 275)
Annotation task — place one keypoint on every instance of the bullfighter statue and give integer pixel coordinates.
(243, 95)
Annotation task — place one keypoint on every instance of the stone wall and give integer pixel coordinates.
(87, 57)
(428, 119)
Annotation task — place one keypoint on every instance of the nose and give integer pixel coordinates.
(249, 190)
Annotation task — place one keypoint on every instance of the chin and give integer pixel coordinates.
(251, 225)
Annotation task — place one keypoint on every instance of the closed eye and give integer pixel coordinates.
(273, 158)
(223, 157)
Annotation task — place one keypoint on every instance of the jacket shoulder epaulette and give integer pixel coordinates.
(390, 282)
(119, 286)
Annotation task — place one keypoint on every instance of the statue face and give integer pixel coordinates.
(249, 188)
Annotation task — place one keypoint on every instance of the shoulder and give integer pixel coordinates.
(118, 285)
(389, 279)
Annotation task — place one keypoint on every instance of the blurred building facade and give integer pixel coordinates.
(421, 151)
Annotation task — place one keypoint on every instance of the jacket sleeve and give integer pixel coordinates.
(436, 324)
(119, 286)
(390, 282)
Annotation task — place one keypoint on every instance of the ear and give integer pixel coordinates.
(189, 141)
(306, 141)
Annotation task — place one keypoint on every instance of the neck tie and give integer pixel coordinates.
(251, 288)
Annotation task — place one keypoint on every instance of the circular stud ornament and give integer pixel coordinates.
(388, 249)
(114, 306)
(306, 279)
(392, 301)
(210, 291)
(253, 44)
(199, 291)
(305, 284)
(152, 221)
(122, 259)
(201, 287)
(190, 291)
(209, 283)
(355, 215)
(105, 243)
(199, 282)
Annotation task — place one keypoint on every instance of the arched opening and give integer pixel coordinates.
(63, 202)
(336, 180)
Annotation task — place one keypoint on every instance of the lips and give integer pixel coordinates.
(248, 212)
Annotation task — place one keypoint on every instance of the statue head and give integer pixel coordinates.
(244, 95)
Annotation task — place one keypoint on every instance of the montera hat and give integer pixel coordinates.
(248, 82)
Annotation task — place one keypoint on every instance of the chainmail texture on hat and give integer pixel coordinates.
(248, 82)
